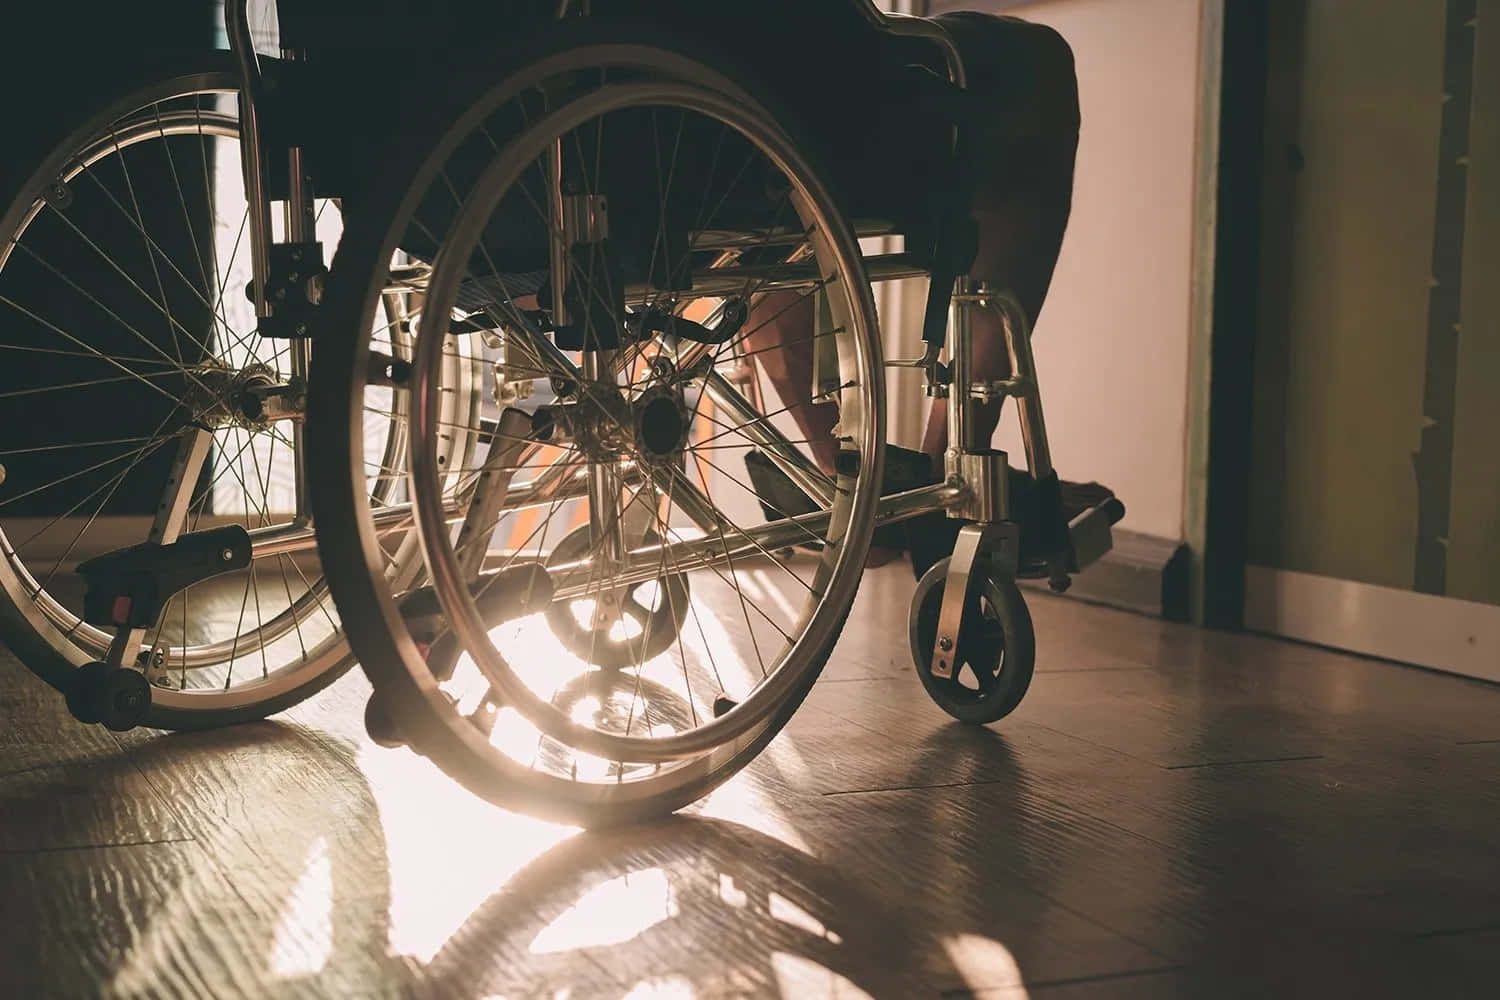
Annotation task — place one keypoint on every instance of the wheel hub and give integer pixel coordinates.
(251, 398)
(661, 423)
(652, 428)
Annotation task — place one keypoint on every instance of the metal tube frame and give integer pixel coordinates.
(965, 489)
(983, 471)
(563, 480)
(301, 227)
(756, 428)
(572, 580)
(171, 515)
(300, 217)
(237, 26)
(1021, 383)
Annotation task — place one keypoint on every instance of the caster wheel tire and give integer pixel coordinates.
(996, 650)
(651, 614)
(116, 698)
(82, 696)
(380, 726)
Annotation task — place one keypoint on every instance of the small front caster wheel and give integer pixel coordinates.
(115, 697)
(996, 648)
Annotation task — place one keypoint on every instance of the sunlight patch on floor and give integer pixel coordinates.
(611, 913)
(303, 941)
(802, 977)
(984, 963)
(448, 850)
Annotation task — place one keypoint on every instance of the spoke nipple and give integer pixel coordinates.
(58, 195)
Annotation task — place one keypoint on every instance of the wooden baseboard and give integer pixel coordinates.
(1442, 633)
(1142, 573)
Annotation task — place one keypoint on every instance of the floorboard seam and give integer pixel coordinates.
(1458, 931)
(211, 856)
(998, 781)
(854, 722)
(915, 788)
(1093, 670)
(1233, 763)
(1471, 743)
(1040, 670)
(1055, 901)
(1101, 977)
(1093, 743)
(18, 851)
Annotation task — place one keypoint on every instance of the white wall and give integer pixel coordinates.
(1112, 341)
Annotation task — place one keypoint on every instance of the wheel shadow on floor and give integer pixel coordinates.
(699, 906)
(267, 869)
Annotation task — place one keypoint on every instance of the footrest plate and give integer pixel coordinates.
(1091, 510)
(129, 588)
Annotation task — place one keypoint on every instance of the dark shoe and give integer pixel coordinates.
(904, 470)
(780, 497)
(1042, 509)
(933, 535)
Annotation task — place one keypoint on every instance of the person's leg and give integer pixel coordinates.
(1025, 194)
(1021, 204)
(781, 329)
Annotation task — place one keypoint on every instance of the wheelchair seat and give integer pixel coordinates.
(875, 107)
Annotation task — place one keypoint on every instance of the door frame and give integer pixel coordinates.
(1226, 290)
(1435, 631)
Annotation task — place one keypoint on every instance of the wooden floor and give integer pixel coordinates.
(1171, 813)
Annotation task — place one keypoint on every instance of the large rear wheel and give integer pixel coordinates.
(675, 211)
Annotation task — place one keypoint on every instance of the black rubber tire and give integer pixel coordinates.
(997, 640)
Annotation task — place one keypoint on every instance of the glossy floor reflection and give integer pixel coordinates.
(1171, 813)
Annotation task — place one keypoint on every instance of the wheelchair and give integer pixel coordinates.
(586, 556)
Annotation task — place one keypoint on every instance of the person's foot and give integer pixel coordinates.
(779, 498)
(932, 536)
